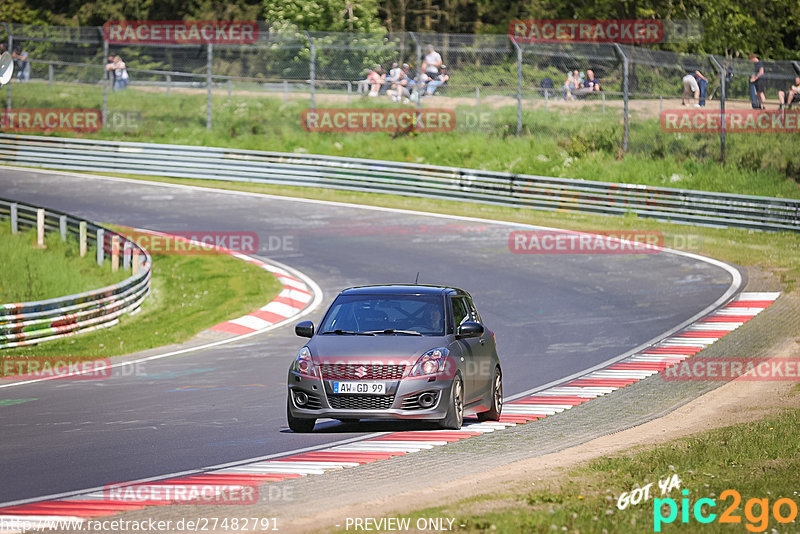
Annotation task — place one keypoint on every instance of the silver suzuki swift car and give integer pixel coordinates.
(396, 352)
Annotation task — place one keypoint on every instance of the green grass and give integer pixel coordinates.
(758, 459)
(577, 143)
(29, 273)
(188, 295)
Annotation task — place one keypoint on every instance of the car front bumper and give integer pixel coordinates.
(401, 401)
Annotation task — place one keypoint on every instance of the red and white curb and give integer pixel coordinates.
(550, 401)
(295, 296)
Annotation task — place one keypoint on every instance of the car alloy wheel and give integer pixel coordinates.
(455, 412)
(493, 414)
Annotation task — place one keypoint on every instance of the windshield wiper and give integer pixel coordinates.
(393, 331)
(340, 332)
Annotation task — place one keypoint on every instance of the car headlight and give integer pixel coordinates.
(431, 363)
(304, 364)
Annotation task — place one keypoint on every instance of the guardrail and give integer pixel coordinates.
(28, 323)
(450, 183)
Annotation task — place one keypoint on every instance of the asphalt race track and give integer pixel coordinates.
(553, 314)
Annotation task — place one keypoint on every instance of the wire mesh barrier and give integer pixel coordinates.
(409, 179)
(524, 88)
(28, 323)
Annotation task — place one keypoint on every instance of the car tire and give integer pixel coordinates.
(493, 414)
(296, 424)
(455, 411)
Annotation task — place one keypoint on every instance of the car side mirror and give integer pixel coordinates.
(470, 329)
(304, 329)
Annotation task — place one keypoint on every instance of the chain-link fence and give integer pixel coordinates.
(521, 87)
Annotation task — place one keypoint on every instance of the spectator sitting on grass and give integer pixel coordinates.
(792, 96)
(572, 83)
(400, 85)
(441, 79)
(590, 85)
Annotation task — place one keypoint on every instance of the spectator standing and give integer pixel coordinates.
(691, 88)
(116, 64)
(791, 96)
(431, 62)
(22, 64)
(758, 84)
(439, 81)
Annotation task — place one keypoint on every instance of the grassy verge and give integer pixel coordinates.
(29, 273)
(575, 142)
(778, 252)
(188, 295)
(758, 459)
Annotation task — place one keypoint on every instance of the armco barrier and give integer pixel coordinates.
(517, 190)
(28, 323)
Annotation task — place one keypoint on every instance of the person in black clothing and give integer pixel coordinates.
(758, 84)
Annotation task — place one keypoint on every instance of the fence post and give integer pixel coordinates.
(419, 69)
(230, 88)
(62, 227)
(349, 90)
(796, 66)
(624, 58)
(82, 237)
(723, 75)
(105, 78)
(10, 47)
(519, 86)
(114, 253)
(14, 219)
(285, 91)
(126, 255)
(477, 96)
(169, 83)
(101, 243)
(40, 228)
(209, 81)
(312, 67)
(49, 75)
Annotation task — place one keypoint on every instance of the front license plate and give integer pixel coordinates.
(362, 388)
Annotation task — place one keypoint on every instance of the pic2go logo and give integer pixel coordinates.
(756, 511)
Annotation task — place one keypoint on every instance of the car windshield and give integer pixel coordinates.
(386, 314)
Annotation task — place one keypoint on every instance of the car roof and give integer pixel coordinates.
(403, 289)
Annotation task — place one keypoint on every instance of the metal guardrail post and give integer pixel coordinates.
(723, 77)
(101, 238)
(126, 255)
(40, 227)
(82, 238)
(62, 227)
(519, 86)
(209, 82)
(312, 67)
(14, 219)
(624, 59)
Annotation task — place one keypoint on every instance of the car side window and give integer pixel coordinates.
(461, 311)
(473, 312)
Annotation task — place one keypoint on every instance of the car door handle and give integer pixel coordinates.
(483, 341)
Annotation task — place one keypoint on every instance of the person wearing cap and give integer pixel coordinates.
(440, 80)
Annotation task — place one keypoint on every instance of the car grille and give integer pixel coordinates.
(361, 402)
(357, 371)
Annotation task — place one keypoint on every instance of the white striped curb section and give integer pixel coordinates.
(553, 400)
(293, 298)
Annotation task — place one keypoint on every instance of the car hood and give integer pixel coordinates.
(395, 349)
